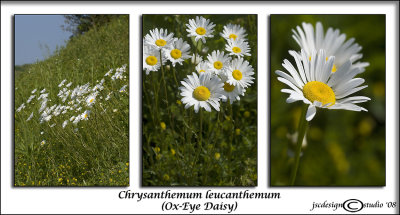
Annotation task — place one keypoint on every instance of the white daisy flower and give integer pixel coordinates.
(69, 84)
(200, 28)
(85, 115)
(203, 67)
(91, 99)
(109, 72)
(315, 84)
(62, 83)
(30, 98)
(238, 48)
(123, 88)
(151, 59)
(235, 32)
(218, 62)
(34, 91)
(77, 119)
(332, 42)
(196, 59)
(240, 72)
(65, 123)
(159, 39)
(43, 142)
(201, 91)
(177, 52)
(22, 106)
(232, 92)
(42, 91)
(30, 117)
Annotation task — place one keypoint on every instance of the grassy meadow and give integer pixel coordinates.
(72, 112)
(181, 147)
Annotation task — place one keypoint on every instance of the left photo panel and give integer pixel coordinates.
(71, 100)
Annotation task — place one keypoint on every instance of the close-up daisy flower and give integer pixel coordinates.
(177, 52)
(218, 61)
(332, 42)
(91, 99)
(235, 32)
(240, 72)
(238, 48)
(151, 59)
(203, 67)
(200, 28)
(201, 91)
(232, 92)
(85, 115)
(315, 84)
(159, 39)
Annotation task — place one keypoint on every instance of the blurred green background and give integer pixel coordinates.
(344, 148)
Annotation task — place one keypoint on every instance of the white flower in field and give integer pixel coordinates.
(123, 89)
(43, 105)
(332, 42)
(72, 118)
(78, 109)
(152, 59)
(203, 67)
(108, 97)
(91, 99)
(232, 92)
(52, 125)
(46, 118)
(77, 119)
(218, 61)
(42, 91)
(177, 52)
(109, 72)
(62, 83)
(41, 133)
(69, 84)
(30, 99)
(196, 59)
(43, 96)
(115, 110)
(315, 84)
(43, 142)
(240, 72)
(34, 91)
(159, 39)
(200, 28)
(201, 91)
(235, 32)
(85, 115)
(30, 117)
(65, 123)
(238, 48)
(22, 106)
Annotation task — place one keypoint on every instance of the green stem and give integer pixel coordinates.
(201, 128)
(303, 124)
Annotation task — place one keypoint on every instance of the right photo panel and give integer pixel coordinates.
(327, 101)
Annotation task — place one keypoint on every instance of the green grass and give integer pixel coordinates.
(93, 152)
(182, 148)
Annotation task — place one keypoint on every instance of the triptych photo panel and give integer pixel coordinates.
(198, 105)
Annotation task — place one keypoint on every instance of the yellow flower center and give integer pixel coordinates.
(201, 31)
(176, 54)
(233, 36)
(151, 60)
(228, 87)
(236, 49)
(201, 93)
(91, 100)
(218, 64)
(163, 125)
(237, 75)
(318, 91)
(161, 42)
(85, 116)
(202, 70)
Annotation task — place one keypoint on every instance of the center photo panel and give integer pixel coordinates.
(199, 100)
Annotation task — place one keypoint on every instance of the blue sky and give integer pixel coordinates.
(34, 32)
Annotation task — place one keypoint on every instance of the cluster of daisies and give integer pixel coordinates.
(75, 102)
(325, 71)
(222, 75)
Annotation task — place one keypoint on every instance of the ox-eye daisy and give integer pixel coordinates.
(332, 42)
(200, 28)
(232, 92)
(218, 61)
(177, 52)
(240, 72)
(159, 39)
(315, 84)
(201, 91)
(203, 67)
(151, 59)
(237, 48)
(235, 32)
